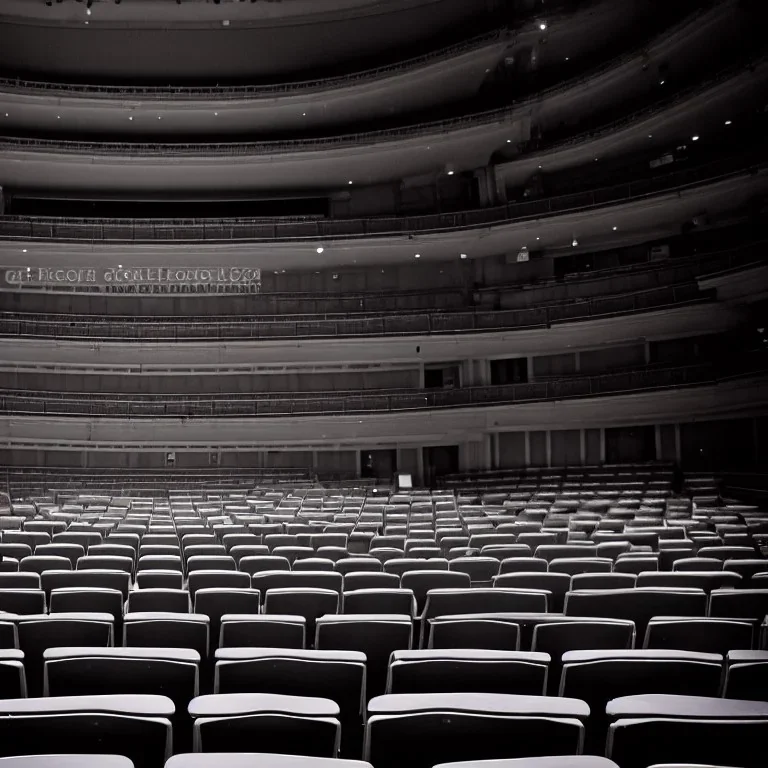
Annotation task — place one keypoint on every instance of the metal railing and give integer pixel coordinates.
(186, 230)
(23, 402)
(232, 92)
(313, 326)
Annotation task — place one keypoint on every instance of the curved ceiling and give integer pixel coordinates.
(203, 41)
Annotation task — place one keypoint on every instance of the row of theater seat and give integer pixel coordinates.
(418, 731)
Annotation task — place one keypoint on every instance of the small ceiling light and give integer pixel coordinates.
(567, 58)
(303, 114)
(416, 255)
(509, 141)
(695, 138)
(595, 159)
(463, 255)
(650, 135)
(215, 114)
(349, 182)
(320, 249)
(728, 122)
(615, 228)
(450, 173)
(575, 242)
(23, 250)
(88, 11)
(542, 25)
(119, 266)
(538, 238)
(58, 117)
(130, 117)
(661, 82)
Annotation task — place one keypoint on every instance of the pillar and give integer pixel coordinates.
(602, 445)
(583, 446)
(678, 445)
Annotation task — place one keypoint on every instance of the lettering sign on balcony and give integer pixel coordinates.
(134, 279)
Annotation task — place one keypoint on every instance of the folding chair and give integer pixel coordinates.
(739, 603)
(481, 570)
(302, 601)
(746, 675)
(640, 604)
(262, 631)
(216, 602)
(468, 670)
(648, 729)
(38, 633)
(19, 580)
(571, 761)
(299, 673)
(470, 632)
(596, 677)
(159, 579)
(581, 581)
(557, 584)
(280, 724)
(73, 552)
(702, 635)
(158, 601)
(66, 761)
(420, 730)
(213, 579)
(355, 580)
(137, 727)
(23, 601)
(129, 671)
(558, 637)
(13, 681)
(375, 635)
(175, 630)
(388, 601)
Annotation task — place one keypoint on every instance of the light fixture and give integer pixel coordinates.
(450, 173)
(728, 122)
(661, 82)
(130, 117)
(349, 182)
(509, 141)
(303, 114)
(567, 58)
(58, 117)
(615, 228)
(542, 25)
(119, 266)
(650, 135)
(159, 117)
(23, 250)
(320, 249)
(539, 167)
(416, 255)
(215, 114)
(463, 256)
(537, 237)
(575, 242)
(695, 138)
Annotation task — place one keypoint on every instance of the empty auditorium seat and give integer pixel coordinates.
(137, 727)
(277, 723)
(420, 730)
(13, 682)
(698, 634)
(174, 630)
(746, 675)
(473, 632)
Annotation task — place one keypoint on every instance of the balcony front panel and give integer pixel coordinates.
(442, 77)
(735, 398)
(694, 320)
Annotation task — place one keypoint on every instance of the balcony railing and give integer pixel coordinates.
(193, 230)
(234, 92)
(313, 326)
(23, 402)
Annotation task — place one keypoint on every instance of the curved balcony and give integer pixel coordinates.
(302, 229)
(163, 329)
(110, 405)
(443, 76)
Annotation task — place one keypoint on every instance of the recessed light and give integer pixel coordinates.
(88, 11)
(58, 117)
(567, 58)
(695, 138)
(349, 182)
(119, 266)
(509, 141)
(320, 249)
(575, 242)
(215, 114)
(650, 135)
(543, 25)
(130, 117)
(538, 238)
(727, 122)
(450, 173)
(23, 250)
(463, 255)
(661, 82)
(159, 117)
(416, 255)
(595, 159)
(615, 228)
(303, 114)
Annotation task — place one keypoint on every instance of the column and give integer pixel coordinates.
(602, 445)
(583, 446)
(529, 362)
(496, 449)
(358, 463)
(527, 448)
(419, 479)
(657, 438)
(421, 375)
(678, 445)
(549, 448)
(314, 463)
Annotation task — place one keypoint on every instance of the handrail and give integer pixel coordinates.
(186, 230)
(150, 329)
(23, 402)
(239, 91)
(239, 148)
